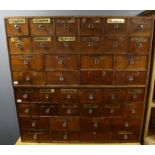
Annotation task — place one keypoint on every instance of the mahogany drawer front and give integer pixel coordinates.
(62, 77)
(95, 124)
(48, 95)
(65, 136)
(140, 27)
(96, 77)
(17, 27)
(44, 44)
(34, 123)
(28, 78)
(116, 44)
(91, 44)
(91, 26)
(95, 136)
(90, 96)
(66, 26)
(69, 110)
(41, 26)
(91, 110)
(47, 109)
(35, 136)
(139, 45)
(125, 136)
(67, 44)
(26, 62)
(131, 62)
(25, 95)
(61, 62)
(96, 62)
(115, 26)
(65, 123)
(20, 45)
(130, 77)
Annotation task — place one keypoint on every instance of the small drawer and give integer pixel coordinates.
(91, 26)
(66, 26)
(65, 123)
(90, 96)
(62, 78)
(48, 95)
(125, 136)
(41, 26)
(96, 77)
(91, 110)
(17, 27)
(26, 62)
(92, 44)
(96, 62)
(43, 44)
(140, 27)
(69, 110)
(130, 78)
(33, 123)
(115, 26)
(20, 45)
(47, 109)
(131, 62)
(95, 136)
(28, 78)
(116, 44)
(26, 109)
(95, 124)
(61, 62)
(25, 95)
(67, 44)
(139, 45)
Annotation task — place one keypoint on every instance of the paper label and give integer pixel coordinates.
(68, 90)
(19, 100)
(66, 38)
(15, 82)
(42, 39)
(17, 21)
(41, 20)
(114, 20)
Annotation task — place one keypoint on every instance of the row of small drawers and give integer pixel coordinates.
(94, 44)
(99, 77)
(71, 26)
(74, 62)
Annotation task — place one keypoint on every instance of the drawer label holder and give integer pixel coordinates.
(41, 20)
(66, 39)
(114, 20)
(42, 39)
(17, 21)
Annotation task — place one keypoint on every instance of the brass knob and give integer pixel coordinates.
(69, 111)
(116, 27)
(61, 78)
(66, 44)
(47, 96)
(126, 124)
(25, 96)
(134, 96)
(130, 78)
(140, 27)
(33, 124)
(60, 61)
(47, 111)
(95, 125)
(26, 110)
(115, 44)
(26, 62)
(133, 111)
(113, 97)
(64, 124)
(112, 111)
(90, 26)
(91, 97)
(42, 45)
(18, 45)
(66, 26)
(65, 137)
(125, 136)
(27, 78)
(90, 44)
(68, 96)
(139, 44)
(96, 61)
(90, 111)
(34, 136)
(42, 27)
(17, 27)
(131, 61)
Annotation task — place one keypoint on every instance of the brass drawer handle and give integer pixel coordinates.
(91, 97)
(65, 137)
(26, 62)
(113, 97)
(66, 44)
(126, 124)
(125, 136)
(28, 78)
(68, 96)
(60, 61)
(66, 26)
(90, 44)
(61, 78)
(90, 26)
(139, 45)
(134, 96)
(26, 110)
(47, 111)
(133, 111)
(96, 61)
(42, 45)
(95, 125)
(90, 111)
(140, 27)
(35, 136)
(115, 44)
(130, 78)
(18, 45)
(116, 27)
(69, 111)
(64, 124)
(25, 96)
(112, 111)
(17, 27)
(131, 61)
(47, 96)
(33, 124)
(42, 27)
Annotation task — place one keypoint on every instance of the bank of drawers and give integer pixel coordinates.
(80, 79)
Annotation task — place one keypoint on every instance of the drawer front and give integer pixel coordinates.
(95, 136)
(96, 77)
(139, 45)
(95, 124)
(28, 78)
(43, 44)
(63, 78)
(69, 110)
(116, 44)
(48, 109)
(26, 109)
(115, 26)
(67, 44)
(91, 26)
(92, 44)
(20, 45)
(131, 62)
(25, 95)
(112, 111)
(91, 110)
(66, 26)
(33, 123)
(130, 78)
(17, 27)
(90, 96)
(65, 123)
(41, 26)
(61, 62)
(26, 62)
(140, 27)
(96, 61)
